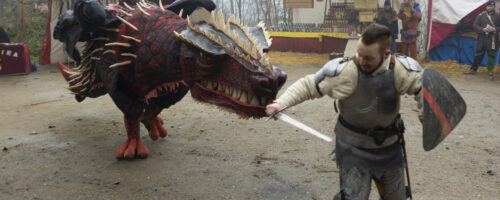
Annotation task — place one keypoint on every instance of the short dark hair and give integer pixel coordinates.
(376, 33)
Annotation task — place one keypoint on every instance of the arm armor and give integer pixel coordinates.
(330, 69)
(410, 64)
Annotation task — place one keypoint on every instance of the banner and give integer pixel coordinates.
(14, 58)
(299, 3)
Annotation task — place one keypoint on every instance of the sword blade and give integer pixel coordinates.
(293, 122)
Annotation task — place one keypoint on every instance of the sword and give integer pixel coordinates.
(283, 117)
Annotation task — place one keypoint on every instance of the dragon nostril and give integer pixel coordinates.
(265, 83)
(281, 76)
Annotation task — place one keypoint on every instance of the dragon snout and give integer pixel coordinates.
(280, 77)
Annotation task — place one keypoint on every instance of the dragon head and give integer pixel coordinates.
(226, 65)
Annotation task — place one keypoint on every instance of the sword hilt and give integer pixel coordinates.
(275, 113)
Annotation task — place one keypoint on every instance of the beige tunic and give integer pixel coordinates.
(343, 85)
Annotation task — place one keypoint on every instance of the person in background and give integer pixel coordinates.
(487, 25)
(411, 15)
(389, 18)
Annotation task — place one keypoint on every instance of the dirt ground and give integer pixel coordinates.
(56, 148)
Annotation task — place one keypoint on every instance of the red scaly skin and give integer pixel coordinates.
(153, 69)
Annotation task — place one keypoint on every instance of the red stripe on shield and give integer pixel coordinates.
(437, 110)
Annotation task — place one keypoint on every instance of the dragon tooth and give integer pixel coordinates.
(210, 85)
(236, 93)
(250, 98)
(221, 87)
(227, 90)
(263, 101)
(204, 83)
(255, 101)
(243, 97)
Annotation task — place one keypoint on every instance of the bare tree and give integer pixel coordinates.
(239, 9)
(232, 6)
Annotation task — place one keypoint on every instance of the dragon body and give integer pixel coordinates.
(150, 61)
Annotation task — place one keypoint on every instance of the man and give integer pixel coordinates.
(367, 89)
(389, 18)
(487, 25)
(410, 15)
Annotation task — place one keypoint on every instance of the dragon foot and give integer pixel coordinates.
(132, 148)
(156, 129)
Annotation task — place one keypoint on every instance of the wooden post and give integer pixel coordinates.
(22, 22)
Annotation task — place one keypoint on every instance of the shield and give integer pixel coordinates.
(443, 108)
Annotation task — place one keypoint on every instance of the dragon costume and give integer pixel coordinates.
(153, 56)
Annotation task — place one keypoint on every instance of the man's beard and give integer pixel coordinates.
(373, 70)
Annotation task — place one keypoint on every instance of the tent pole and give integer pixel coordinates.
(429, 29)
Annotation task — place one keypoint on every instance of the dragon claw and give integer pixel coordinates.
(132, 148)
(156, 129)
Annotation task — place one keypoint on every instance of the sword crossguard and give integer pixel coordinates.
(275, 113)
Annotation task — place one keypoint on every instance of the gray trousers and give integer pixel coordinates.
(356, 185)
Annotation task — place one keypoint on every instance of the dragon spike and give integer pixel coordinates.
(127, 23)
(96, 50)
(262, 25)
(109, 51)
(86, 81)
(219, 39)
(125, 12)
(212, 17)
(231, 19)
(100, 38)
(142, 10)
(220, 20)
(110, 29)
(120, 64)
(95, 58)
(161, 5)
(131, 38)
(128, 7)
(117, 44)
(129, 55)
(181, 12)
(142, 4)
(189, 22)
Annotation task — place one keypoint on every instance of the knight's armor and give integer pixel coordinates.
(372, 107)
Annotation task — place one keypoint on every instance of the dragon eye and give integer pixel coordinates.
(206, 59)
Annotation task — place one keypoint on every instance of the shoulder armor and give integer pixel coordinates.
(331, 69)
(409, 63)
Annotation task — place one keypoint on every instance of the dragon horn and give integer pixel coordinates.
(67, 72)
